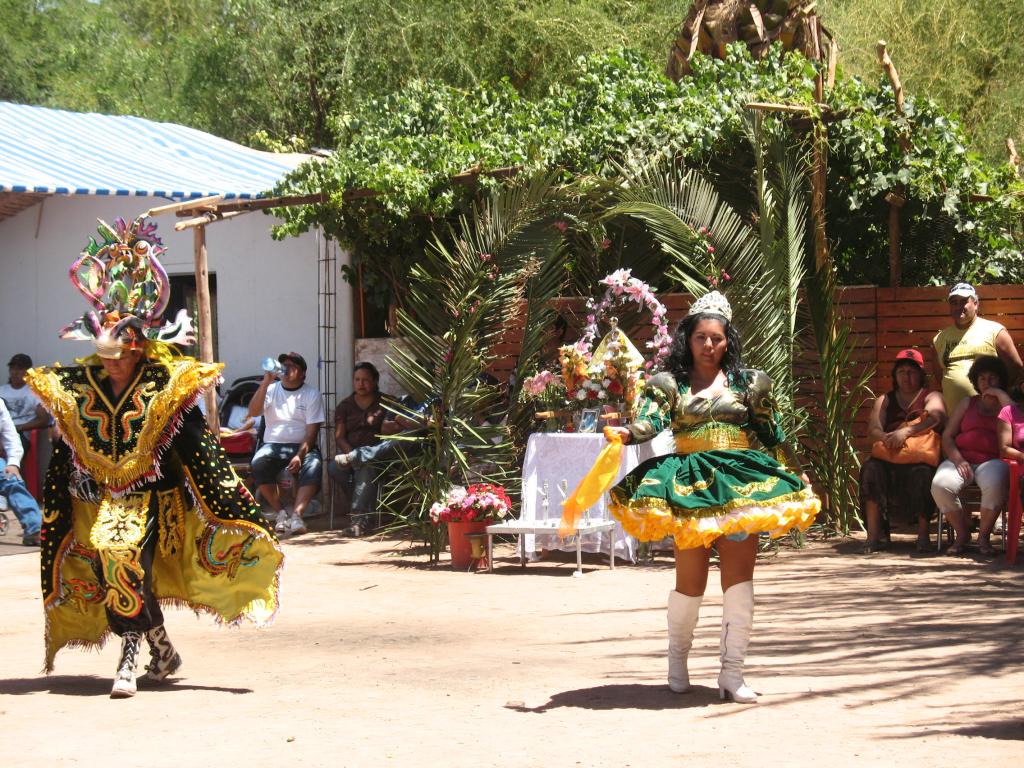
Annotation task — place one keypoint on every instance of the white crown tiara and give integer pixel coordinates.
(713, 302)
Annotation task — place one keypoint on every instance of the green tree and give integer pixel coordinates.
(966, 56)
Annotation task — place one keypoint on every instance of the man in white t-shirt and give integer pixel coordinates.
(293, 412)
(24, 407)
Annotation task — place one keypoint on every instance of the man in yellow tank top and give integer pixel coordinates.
(970, 336)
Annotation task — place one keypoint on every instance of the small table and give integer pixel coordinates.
(520, 528)
(552, 468)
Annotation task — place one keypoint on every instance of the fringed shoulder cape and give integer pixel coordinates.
(717, 483)
(147, 452)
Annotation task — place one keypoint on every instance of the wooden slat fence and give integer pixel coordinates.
(882, 322)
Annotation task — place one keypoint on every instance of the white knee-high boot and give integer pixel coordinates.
(683, 611)
(737, 620)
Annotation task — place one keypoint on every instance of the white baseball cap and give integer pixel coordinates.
(963, 289)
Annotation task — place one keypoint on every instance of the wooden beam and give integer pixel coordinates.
(896, 196)
(209, 210)
(819, 185)
(205, 321)
(793, 109)
(890, 69)
(202, 203)
(206, 218)
(833, 56)
(471, 174)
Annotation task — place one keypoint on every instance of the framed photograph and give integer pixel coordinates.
(588, 419)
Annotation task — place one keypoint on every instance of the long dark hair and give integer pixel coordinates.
(680, 358)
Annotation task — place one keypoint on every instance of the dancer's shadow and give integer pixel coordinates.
(626, 696)
(91, 685)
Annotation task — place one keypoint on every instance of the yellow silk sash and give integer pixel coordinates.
(594, 484)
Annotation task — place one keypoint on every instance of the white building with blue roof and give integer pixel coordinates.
(60, 171)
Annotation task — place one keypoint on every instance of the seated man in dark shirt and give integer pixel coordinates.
(359, 422)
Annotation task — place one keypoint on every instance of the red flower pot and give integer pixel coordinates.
(460, 545)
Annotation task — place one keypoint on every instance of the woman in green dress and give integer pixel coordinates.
(717, 489)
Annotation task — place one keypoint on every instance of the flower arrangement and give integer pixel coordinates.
(545, 388)
(614, 373)
(621, 285)
(575, 363)
(479, 502)
(614, 370)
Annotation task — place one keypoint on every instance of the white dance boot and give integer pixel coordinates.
(737, 620)
(683, 611)
(124, 681)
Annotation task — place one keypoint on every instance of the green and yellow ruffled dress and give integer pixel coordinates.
(715, 484)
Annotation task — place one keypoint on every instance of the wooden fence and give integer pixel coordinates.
(882, 322)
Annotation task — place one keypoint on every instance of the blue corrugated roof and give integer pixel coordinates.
(75, 153)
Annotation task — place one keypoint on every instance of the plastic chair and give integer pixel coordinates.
(30, 465)
(1011, 528)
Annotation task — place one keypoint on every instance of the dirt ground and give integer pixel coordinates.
(379, 659)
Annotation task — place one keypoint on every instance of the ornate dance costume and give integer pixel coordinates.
(141, 506)
(716, 484)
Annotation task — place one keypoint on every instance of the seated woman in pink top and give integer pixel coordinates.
(971, 444)
(1011, 428)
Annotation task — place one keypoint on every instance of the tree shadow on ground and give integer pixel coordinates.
(92, 685)
(1011, 729)
(928, 624)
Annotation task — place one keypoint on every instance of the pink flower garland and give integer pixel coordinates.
(622, 285)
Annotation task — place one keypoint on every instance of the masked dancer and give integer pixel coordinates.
(141, 507)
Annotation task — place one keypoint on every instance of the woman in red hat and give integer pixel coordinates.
(885, 486)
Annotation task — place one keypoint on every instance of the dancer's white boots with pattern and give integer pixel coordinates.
(163, 659)
(124, 681)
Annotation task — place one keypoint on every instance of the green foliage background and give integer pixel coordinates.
(276, 72)
(967, 56)
(414, 91)
(616, 109)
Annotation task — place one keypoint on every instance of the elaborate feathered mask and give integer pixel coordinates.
(123, 280)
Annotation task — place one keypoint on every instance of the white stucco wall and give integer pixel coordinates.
(266, 290)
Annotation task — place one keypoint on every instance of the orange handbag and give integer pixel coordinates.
(920, 448)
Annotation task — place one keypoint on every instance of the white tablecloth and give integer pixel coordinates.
(554, 465)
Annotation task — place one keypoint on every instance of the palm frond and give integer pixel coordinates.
(833, 457)
(463, 295)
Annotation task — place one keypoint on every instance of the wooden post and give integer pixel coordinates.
(896, 202)
(819, 167)
(205, 321)
(1011, 149)
(897, 197)
(819, 182)
(890, 69)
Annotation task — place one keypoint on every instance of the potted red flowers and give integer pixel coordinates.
(469, 510)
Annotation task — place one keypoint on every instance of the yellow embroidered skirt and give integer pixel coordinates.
(698, 497)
